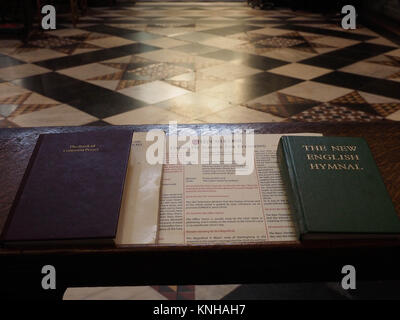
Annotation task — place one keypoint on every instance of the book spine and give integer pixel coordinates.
(18, 195)
(292, 190)
(125, 169)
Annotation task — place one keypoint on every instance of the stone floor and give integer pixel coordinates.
(193, 63)
(198, 62)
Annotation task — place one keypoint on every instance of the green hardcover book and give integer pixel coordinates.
(335, 190)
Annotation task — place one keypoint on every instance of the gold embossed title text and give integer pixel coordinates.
(82, 148)
(333, 157)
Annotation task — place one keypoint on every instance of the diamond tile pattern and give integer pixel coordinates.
(198, 62)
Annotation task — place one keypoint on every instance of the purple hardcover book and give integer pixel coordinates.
(72, 189)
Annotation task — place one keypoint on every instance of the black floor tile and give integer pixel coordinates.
(106, 105)
(344, 79)
(383, 87)
(358, 52)
(52, 84)
(349, 54)
(262, 63)
(359, 82)
(272, 82)
(97, 101)
(6, 61)
(59, 87)
(343, 57)
(326, 32)
(329, 62)
(371, 48)
(372, 85)
(95, 56)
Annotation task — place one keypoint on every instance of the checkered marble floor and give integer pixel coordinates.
(198, 62)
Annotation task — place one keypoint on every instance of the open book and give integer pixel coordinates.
(205, 203)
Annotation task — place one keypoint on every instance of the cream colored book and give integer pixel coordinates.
(139, 214)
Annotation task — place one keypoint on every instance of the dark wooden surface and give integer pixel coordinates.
(16, 146)
(206, 264)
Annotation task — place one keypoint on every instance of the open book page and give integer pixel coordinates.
(138, 220)
(210, 203)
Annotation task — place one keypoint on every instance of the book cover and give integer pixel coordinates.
(71, 190)
(335, 189)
